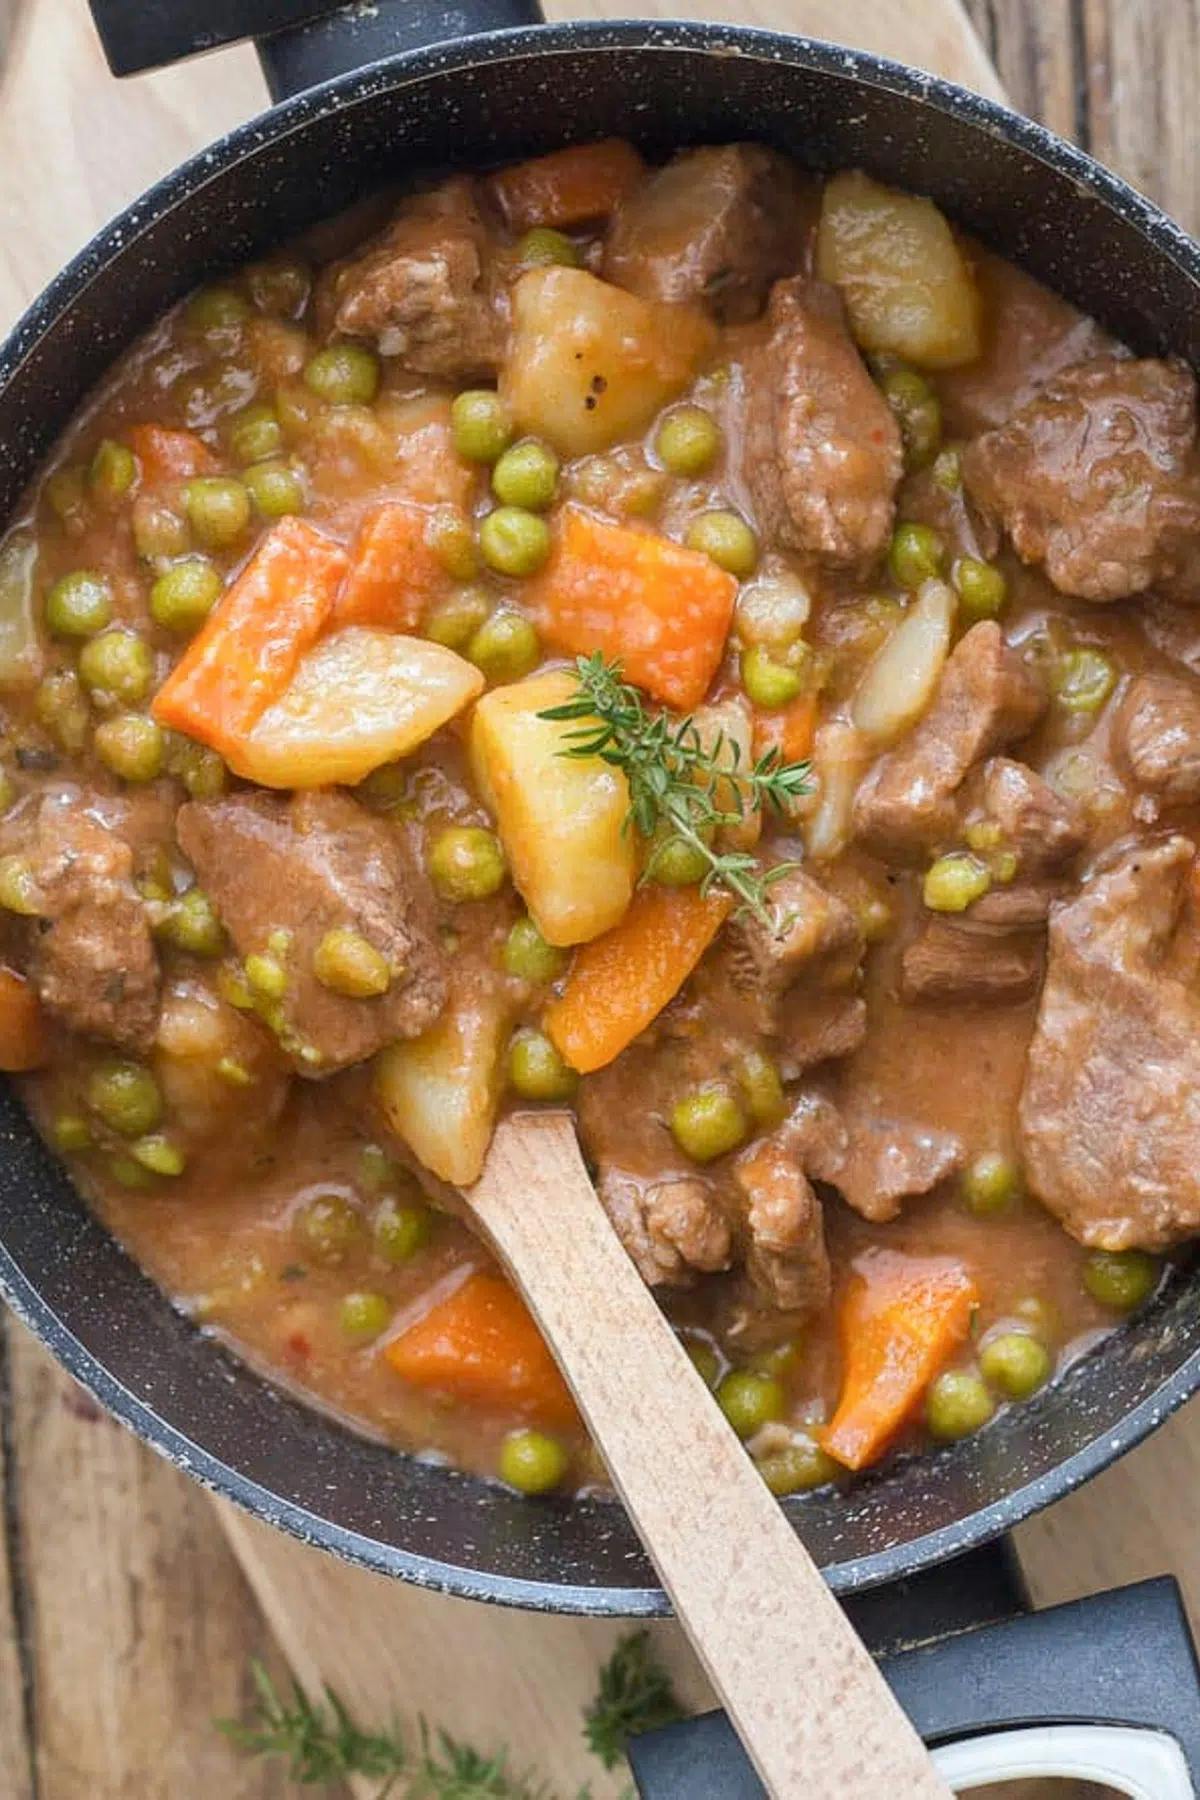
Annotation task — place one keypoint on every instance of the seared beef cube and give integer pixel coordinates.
(813, 936)
(888, 1161)
(783, 1223)
(673, 1229)
(717, 224)
(948, 960)
(822, 449)
(986, 698)
(1156, 737)
(1095, 476)
(1043, 828)
(313, 864)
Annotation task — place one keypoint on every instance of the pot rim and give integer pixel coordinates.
(389, 75)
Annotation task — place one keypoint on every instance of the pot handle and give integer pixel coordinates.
(1112, 1676)
(299, 42)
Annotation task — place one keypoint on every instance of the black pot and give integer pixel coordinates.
(472, 102)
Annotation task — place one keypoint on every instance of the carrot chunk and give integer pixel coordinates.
(568, 187)
(481, 1346)
(24, 1042)
(660, 608)
(621, 981)
(790, 732)
(165, 456)
(245, 655)
(395, 575)
(901, 1321)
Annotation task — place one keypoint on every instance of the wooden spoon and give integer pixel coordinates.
(814, 1713)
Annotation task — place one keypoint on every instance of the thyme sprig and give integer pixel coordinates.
(682, 788)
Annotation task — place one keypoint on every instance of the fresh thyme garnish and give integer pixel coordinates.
(635, 1695)
(681, 789)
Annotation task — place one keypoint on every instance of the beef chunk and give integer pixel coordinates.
(1045, 831)
(1156, 737)
(312, 864)
(822, 449)
(1095, 476)
(952, 960)
(673, 1229)
(1110, 1111)
(92, 959)
(986, 698)
(717, 224)
(888, 1161)
(786, 1259)
(425, 289)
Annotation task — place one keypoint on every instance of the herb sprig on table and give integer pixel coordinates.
(322, 1743)
(682, 788)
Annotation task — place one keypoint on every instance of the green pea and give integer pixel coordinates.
(326, 1228)
(218, 510)
(513, 541)
(126, 1097)
(348, 963)
(200, 769)
(452, 541)
(917, 553)
(266, 975)
(727, 540)
(955, 882)
(947, 470)
(957, 1404)
(79, 605)
(875, 919)
(1121, 1279)
(707, 1124)
(991, 1184)
(129, 1173)
(61, 706)
(455, 620)
(71, 1133)
(1083, 680)
(532, 1463)
(66, 491)
(750, 1401)
(980, 586)
(158, 1154)
(275, 489)
(158, 530)
(184, 595)
(543, 246)
(1015, 1364)
(528, 957)
(688, 441)
(19, 892)
(255, 433)
(479, 425)
(505, 647)
(1040, 1315)
(798, 1468)
(192, 925)
(131, 746)
(917, 411)
(762, 1088)
(676, 863)
(278, 285)
(526, 474)
(344, 375)
(704, 1360)
(401, 1230)
(119, 665)
(467, 863)
(112, 473)
(377, 1170)
(536, 1071)
(215, 309)
(768, 684)
(362, 1317)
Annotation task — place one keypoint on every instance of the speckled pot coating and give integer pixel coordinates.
(1026, 192)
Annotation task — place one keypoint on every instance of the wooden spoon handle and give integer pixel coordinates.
(810, 1706)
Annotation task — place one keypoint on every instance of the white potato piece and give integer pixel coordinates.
(439, 1092)
(841, 756)
(899, 682)
(907, 287)
(359, 698)
(772, 607)
(561, 818)
(590, 364)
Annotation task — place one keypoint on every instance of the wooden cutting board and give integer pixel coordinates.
(490, 1676)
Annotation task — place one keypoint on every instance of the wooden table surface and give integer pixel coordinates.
(125, 1621)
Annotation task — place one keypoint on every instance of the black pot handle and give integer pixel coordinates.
(1105, 1688)
(300, 42)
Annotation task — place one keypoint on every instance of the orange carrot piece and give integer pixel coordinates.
(568, 187)
(662, 609)
(165, 456)
(901, 1321)
(248, 649)
(24, 1041)
(791, 731)
(481, 1346)
(394, 574)
(622, 980)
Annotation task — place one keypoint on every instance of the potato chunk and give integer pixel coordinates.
(906, 285)
(439, 1092)
(899, 683)
(560, 818)
(589, 364)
